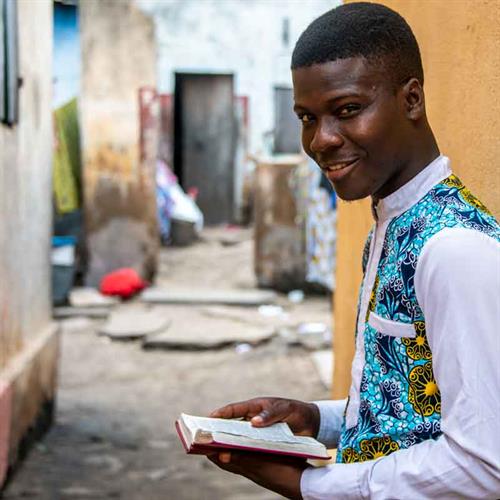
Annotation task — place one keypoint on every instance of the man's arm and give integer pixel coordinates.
(330, 422)
(458, 287)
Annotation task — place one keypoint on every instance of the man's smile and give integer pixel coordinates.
(338, 169)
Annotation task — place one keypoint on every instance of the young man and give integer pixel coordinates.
(421, 419)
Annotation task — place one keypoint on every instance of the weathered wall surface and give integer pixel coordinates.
(244, 38)
(280, 232)
(460, 43)
(28, 343)
(118, 58)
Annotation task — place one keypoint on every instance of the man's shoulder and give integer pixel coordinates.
(450, 204)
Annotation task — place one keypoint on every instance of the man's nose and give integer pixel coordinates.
(326, 136)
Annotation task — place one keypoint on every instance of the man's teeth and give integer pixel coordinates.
(332, 168)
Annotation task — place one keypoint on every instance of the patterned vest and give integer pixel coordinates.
(400, 403)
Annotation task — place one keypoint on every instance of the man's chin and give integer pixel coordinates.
(350, 195)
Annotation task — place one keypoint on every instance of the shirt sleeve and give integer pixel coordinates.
(457, 282)
(330, 423)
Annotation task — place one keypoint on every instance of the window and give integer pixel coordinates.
(9, 88)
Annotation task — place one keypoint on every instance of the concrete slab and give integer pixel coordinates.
(208, 296)
(90, 297)
(75, 312)
(323, 361)
(249, 315)
(134, 322)
(195, 335)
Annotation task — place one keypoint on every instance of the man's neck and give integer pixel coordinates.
(423, 157)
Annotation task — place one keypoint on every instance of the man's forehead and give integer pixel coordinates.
(342, 73)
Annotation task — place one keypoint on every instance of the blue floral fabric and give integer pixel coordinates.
(400, 403)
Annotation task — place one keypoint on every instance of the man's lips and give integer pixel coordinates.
(336, 165)
(338, 169)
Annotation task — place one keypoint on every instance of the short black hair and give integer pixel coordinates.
(369, 30)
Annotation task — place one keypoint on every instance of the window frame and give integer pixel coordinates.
(9, 63)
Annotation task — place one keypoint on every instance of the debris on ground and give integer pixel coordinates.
(311, 335)
(231, 236)
(296, 296)
(124, 282)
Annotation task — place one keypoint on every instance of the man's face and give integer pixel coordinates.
(353, 125)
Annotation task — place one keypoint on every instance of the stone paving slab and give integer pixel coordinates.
(208, 296)
(90, 297)
(134, 322)
(75, 312)
(196, 333)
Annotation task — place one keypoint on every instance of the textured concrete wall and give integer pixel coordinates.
(460, 43)
(25, 188)
(280, 233)
(243, 37)
(28, 344)
(118, 58)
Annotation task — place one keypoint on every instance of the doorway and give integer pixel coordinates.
(204, 141)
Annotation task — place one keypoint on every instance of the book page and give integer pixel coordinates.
(276, 433)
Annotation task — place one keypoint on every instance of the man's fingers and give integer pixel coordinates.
(242, 409)
(276, 412)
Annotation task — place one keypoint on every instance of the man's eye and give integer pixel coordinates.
(348, 110)
(305, 118)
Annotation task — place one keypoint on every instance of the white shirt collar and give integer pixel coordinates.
(414, 190)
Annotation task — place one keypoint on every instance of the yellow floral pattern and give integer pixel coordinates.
(350, 455)
(472, 200)
(418, 348)
(377, 447)
(424, 393)
(453, 181)
(373, 298)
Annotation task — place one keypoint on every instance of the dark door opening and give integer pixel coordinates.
(204, 141)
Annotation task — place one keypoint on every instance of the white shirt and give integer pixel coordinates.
(457, 282)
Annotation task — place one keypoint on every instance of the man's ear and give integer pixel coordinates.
(414, 99)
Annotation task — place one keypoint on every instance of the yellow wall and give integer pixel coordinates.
(460, 45)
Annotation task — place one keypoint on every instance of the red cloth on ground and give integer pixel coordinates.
(123, 282)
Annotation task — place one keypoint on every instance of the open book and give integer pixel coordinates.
(200, 435)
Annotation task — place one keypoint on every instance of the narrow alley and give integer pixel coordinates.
(114, 436)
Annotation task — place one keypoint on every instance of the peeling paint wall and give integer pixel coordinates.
(28, 342)
(240, 37)
(460, 43)
(25, 189)
(118, 58)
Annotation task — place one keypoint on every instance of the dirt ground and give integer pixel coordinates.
(114, 436)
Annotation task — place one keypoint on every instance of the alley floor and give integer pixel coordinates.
(114, 436)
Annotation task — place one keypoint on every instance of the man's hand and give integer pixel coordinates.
(303, 418)
(279, 474)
